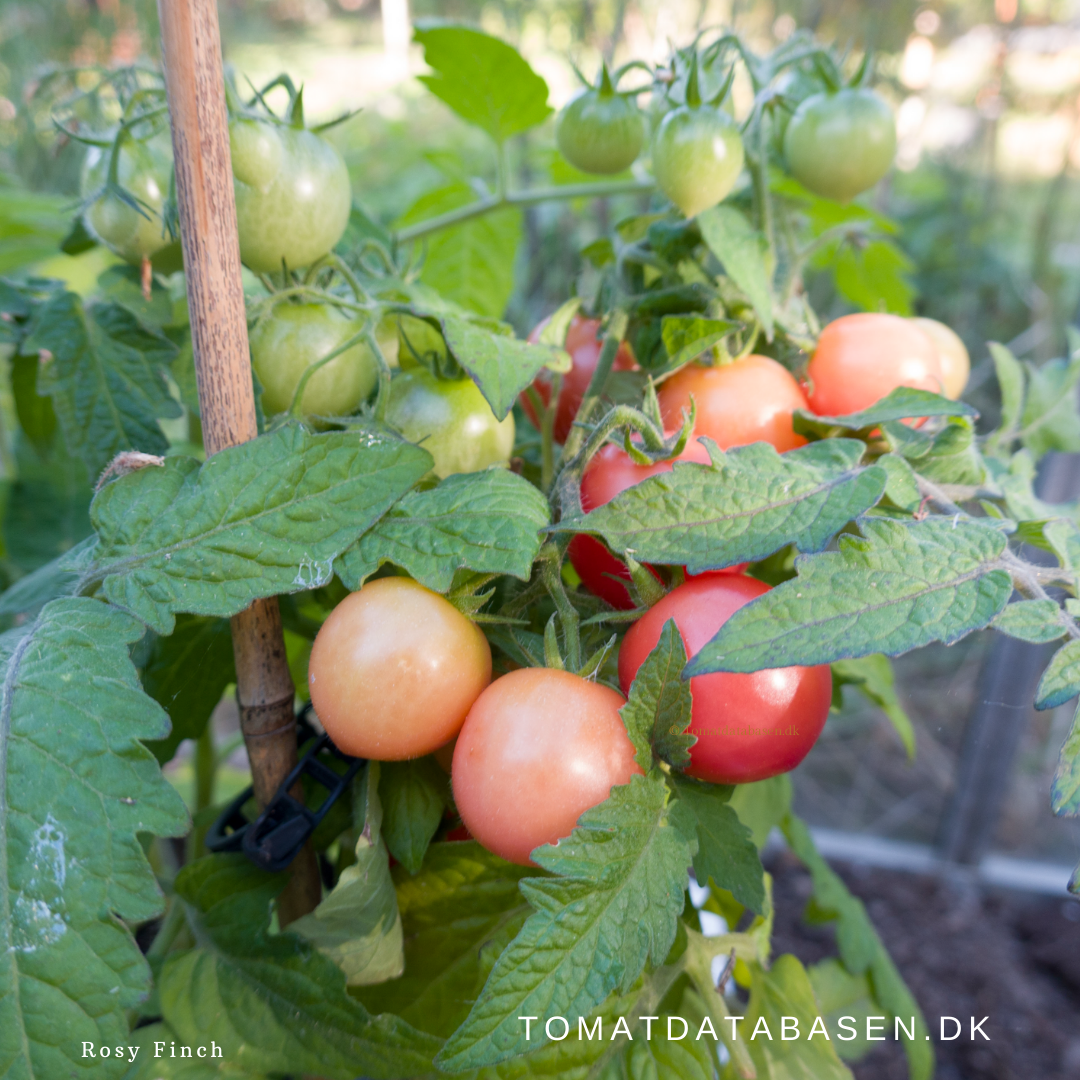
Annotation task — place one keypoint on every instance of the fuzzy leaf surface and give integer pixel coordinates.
(900, 404)
(76, 787)
(1061, 679)
(487, 521)
(901, 586)
(105, 378)
(614, 904)
(726, 851)
(269, 516)
(273, 1002)
(750, 502)
(485, 81)
(658, 709)
(1031, 620)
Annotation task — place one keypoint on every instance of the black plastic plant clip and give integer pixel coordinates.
(276, 836)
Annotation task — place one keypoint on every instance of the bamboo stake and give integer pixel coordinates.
(191, 49)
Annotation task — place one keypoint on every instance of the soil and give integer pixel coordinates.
(963, 952)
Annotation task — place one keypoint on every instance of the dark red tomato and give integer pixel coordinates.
(539, 748)
(613, 471)
(748, 727)
(583, 343)
(750, 400)
(860, 358)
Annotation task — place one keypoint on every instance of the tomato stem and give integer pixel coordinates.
(298, 394)
(551, 569)
(616, 332)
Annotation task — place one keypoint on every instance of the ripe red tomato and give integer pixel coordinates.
(750, 400)
(861, 358)
(748, 727)
(539, 748)
(395, 669)
(583, 343)
(613, 471)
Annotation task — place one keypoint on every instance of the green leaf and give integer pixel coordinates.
(51, 581)
(273, 1003)
(1061, 679)
(901, 488)
(1050, 420)
(458, 914)
(37, 418)
(749, 503)
(840, 993)
(1031, 620)
(1063, 536)
(902, 403)
(726, 851)
(167, 1067)
(501, 366)
(686, 337)
(661, 1058)
(357, 925)
(623, 872)
(106, 378)
(861, 950)
(122, 284)
(471, 264)
(269, 516)
(414, 795)
(657, 712)
(186, 673)
(484, 80)
(785, 992)
(873, 676)
(762, 806)
(903, 585)
(948, 457)
(741, 250)
(485, 521)
(1010, 377)
(1065, 793)
(77, 787)
(875, 276)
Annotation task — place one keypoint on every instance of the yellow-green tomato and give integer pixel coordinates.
(697, 156)
(292, 194)
(451, 420)
(291, 338)
(143, 170)
(955, 361)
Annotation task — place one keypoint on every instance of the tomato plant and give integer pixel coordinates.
(391, 573)
(582, 342)
(600, 130)
(538, 749)
(861, 358)
(749, 400)
(749, 726)
(395, 669)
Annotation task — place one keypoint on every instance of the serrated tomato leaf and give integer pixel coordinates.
(1031, 620)
(485, 81)
(741, 250)
(414, 795)
(614, 905)
(873, 676)
(657, 711)
(1065, 793)
(900, 586)
(486, 521)
(106, 378)
(273, 1003)
(269, 516)
(76, 788)
(726, 851)
(1061, 679)
(900, 404)
(750, 502)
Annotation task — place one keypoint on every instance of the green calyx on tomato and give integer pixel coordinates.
(293, 195)
(600, 130)
(697, 152)
(840, 143)
(450, 419)
(291, 337)
(132, 181)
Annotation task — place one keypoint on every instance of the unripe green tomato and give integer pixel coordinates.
(451, 420)
(600, 133)
(143, 170)
(292, 337)
(697, 156)
(418, 338)
(292, 194)
(841, 144)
